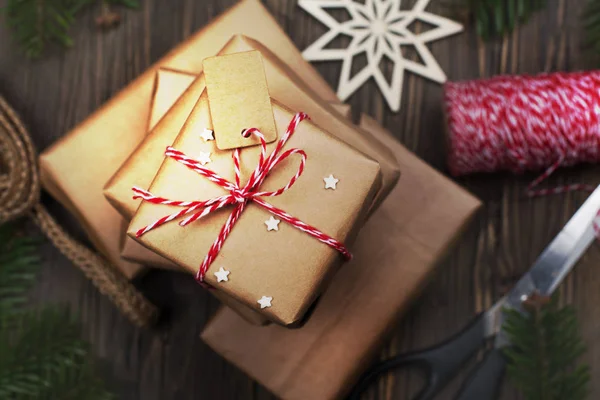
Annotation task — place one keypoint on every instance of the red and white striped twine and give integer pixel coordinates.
(524, 123)
(238, 196)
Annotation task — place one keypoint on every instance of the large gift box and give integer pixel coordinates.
(105, 139)
(395, 254)
(285, 86)
(317, 185)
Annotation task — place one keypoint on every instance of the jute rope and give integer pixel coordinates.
(20, 196)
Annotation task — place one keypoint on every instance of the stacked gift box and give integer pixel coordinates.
(250, 176)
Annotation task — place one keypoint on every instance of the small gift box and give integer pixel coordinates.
(411, 232)
(272, 224)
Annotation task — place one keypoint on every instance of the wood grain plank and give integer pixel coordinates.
(62, 89)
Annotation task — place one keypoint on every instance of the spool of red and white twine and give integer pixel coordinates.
(524, 123)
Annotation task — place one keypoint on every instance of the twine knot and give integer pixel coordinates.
(240, 195)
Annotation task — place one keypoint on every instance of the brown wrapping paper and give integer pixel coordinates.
(170, 85)
(168, 88)
(288, 265)
(107, 137)
(346, 111)
(286, 87)
(395, 254)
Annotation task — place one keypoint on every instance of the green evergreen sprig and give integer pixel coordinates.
(37, 23)
(591, 25)
(18, 266)
(42, 356)
(496, 18)
(542, 363)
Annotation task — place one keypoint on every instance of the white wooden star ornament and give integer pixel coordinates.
(222, 275)
(272, 224)
(207, 135)
(331, 182)
(380, 30)
(265, 302)
(204, 158)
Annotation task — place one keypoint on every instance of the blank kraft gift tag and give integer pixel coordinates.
(239, 99)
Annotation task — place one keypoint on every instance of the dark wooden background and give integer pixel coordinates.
(63, 88)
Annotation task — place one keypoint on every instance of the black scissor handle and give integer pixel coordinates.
(411, 360)
(439, 363)
(484, 382)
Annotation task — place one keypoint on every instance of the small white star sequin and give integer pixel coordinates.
(207, 135)
(265, 302)
(222, 275)
(331, 182)
(272, 224)
(204, 158)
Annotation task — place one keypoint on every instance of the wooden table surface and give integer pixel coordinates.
(57, 92)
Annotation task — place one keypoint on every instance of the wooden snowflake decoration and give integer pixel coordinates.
(379, 29)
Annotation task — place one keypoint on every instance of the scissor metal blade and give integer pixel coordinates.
(552, 266)
(557, 260)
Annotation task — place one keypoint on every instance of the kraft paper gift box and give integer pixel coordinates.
(285, 85)
(170, 85)
(395, 254)
(288, 265)
(106, 138)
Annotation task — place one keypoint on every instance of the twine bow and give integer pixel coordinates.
(237, 195)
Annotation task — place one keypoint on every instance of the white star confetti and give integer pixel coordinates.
(204, 158)
(222, 275)
(265, 302)
(272, 224)
(379, 29)
(207, 135)
(331, 182)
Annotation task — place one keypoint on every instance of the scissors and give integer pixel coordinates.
(442, 362)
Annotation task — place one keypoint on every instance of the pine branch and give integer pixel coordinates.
(18, 266)
(546, 347)
(496, 18)
(38, 23)
(41, 353)
(125, 3)
(591, 25)
(40, 345)
(47, 360)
